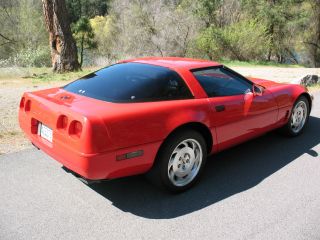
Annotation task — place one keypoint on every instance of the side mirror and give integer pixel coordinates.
(257, 90)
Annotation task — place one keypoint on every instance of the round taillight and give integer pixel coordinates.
(22, 102)
(27, 106)
(62, 122)
(75, 128)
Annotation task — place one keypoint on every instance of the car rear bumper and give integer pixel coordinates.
(93, 166)
(81, 178)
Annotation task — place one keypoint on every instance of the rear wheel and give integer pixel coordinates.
(180, 161)
(299, 117)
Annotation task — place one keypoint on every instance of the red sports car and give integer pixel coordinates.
(160, 116)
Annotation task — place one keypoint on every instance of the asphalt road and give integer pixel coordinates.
(268, 188)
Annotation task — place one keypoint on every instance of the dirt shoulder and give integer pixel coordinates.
(11, 137)
(12, 88)
(278, 74)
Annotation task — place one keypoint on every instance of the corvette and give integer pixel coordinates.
(159, 116)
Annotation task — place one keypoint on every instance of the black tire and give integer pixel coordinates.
(159, 174)
(288, 129)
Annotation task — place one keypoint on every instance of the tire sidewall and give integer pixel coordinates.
(289, 129)
(166, 152)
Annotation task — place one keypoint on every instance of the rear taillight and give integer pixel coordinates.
(75, 128)
(27, 106)
(22, 102)
(62, 122)
(34, 126)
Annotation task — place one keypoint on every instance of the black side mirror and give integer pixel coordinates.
(257, 90)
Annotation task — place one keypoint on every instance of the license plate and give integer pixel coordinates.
(45, 132)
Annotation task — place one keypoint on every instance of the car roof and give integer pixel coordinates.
(175, 62)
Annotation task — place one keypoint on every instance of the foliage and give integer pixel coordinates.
(25, 33)
(39, 57)
(157, 28)
(105, 32)
(243, 41)
(283, 22)
(84, 8)
(282, 31)
(311, 37)
(84, 36)
(29, 57)
(207, 11)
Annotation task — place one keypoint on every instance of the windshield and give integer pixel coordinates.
(131, 82)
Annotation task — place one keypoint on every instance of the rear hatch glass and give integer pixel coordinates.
(131, 82)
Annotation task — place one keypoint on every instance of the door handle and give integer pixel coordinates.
(220, 108)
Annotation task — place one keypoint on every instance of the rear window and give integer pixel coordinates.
(131, 82)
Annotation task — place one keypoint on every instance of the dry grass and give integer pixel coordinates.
(13, 83)
(314, 88)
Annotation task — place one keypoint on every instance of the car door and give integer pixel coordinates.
(236, 112)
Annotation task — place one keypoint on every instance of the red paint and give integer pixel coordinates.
(89, 134)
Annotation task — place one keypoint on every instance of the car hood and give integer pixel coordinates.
(265, 83)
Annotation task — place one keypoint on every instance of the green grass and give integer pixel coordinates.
(46, 75)
(235, 63)
(42, 74)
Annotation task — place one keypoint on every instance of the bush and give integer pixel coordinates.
(243, 41)
(105, 33)
(39, 57)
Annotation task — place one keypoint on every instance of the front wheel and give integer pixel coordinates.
(299, 117)
(180, 161)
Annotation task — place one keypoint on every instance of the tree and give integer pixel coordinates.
(85, 8)
(282, 19)
(106, 35)
(62, 44)
(153, 28)
(7, 40)
(244, 41)
(80, 11)
(207, 11)
(312, 40)
(84, 35)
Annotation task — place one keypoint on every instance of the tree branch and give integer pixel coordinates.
(8, 15)
(8, 39)
(5, 43)
(313, 44)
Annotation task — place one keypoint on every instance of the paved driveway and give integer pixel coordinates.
(268, 188)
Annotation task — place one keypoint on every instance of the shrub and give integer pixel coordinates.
(244, 40)
(39, 57)
(105, 33)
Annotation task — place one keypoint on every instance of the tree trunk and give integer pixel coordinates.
(81, 50)
(316, 46)
(271, 33)
(63, 46)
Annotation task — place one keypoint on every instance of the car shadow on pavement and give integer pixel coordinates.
(226, 174)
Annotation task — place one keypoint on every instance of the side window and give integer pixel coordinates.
(218, 81)
(173, 87)
(156, 87)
